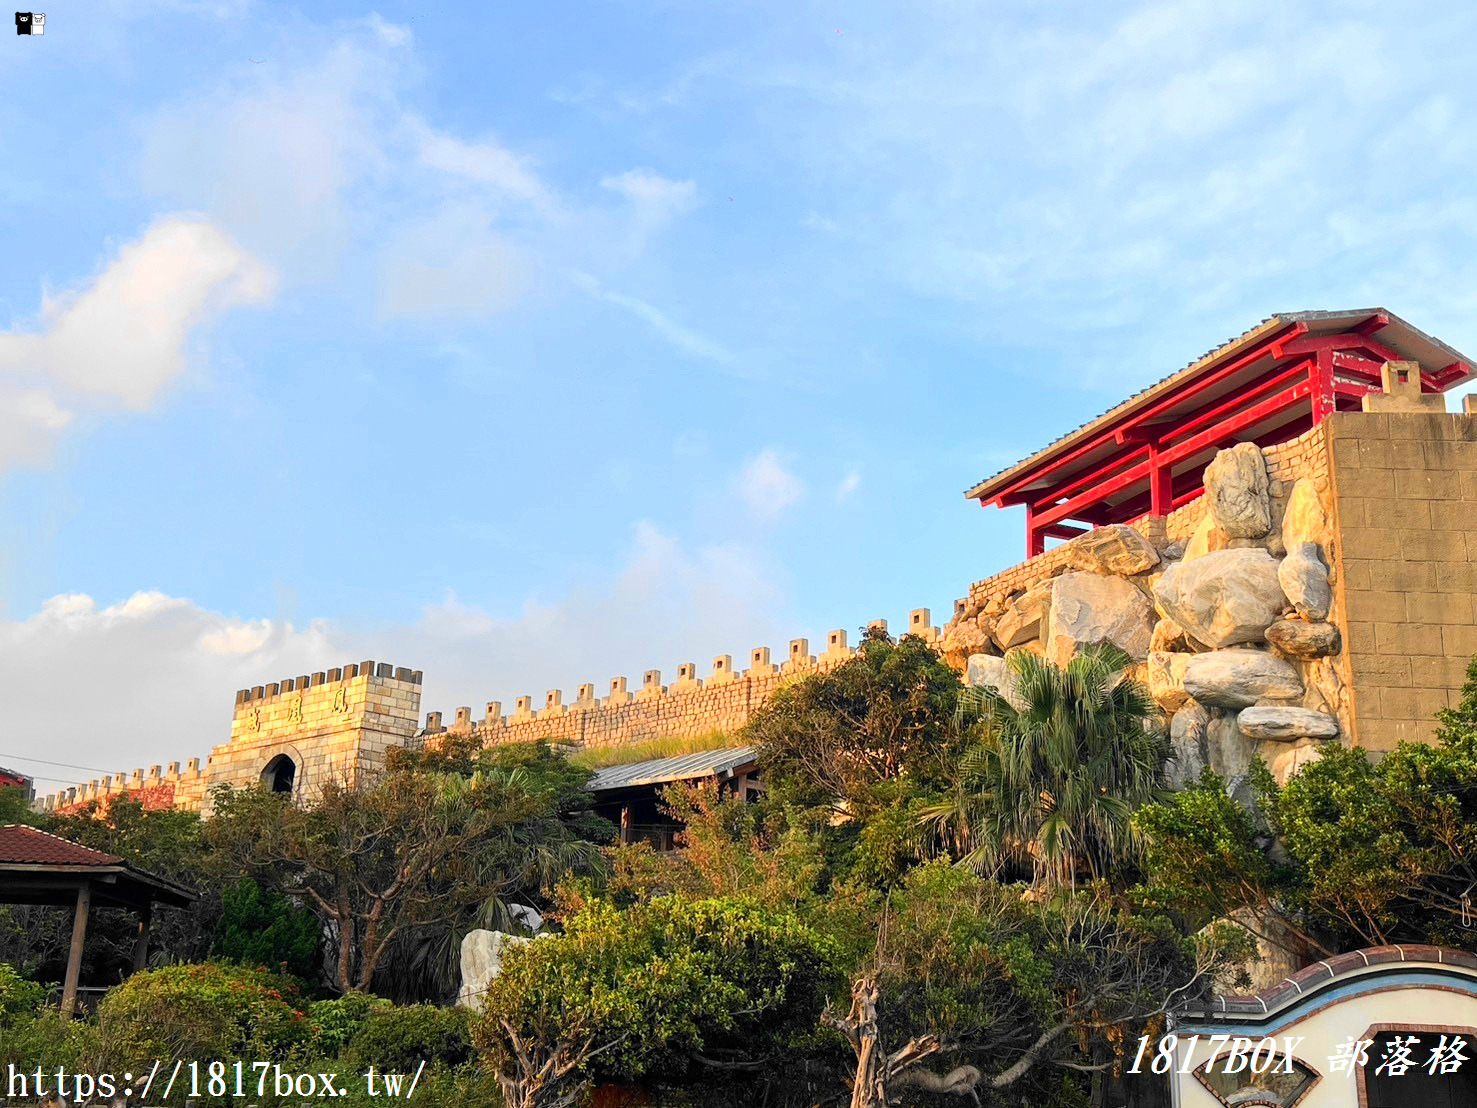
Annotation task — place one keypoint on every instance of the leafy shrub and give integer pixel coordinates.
(335, 1022)
(259, 927)
(19, 998)
(208, 1010)
(45, 1040)
(397, 1040)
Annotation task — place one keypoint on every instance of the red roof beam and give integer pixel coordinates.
(1217, 410)
(1355, 341)
(1215, 436)
(1189, 388)
(1047, 497)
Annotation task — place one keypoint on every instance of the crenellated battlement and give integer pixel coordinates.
(382, 671)
(693, 704)
(158, 788)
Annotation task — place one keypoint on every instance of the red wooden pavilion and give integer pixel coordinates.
(1147, 456)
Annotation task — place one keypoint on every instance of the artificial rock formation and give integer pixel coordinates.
(1165, 678)
(1304, 579)
(1306, 517)
(1169, 635)
(1024, 617)
(963, 640)
(1236, 489)
(989, 672)
(1116, 550)
(1225, 598)
(1300, 639)
(1087, 608)
(1188, 740)
(1240, 678)
(1286, 724)
(1207, 538)
(482, 960)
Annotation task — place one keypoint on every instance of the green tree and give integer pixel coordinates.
(261, 928)
(1060, 766)
(1349, 852)
(671, 989)
(401, 851)
(974, 989)
(833, 737)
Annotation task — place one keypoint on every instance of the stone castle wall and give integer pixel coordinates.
(1405, 516)
(691, 706)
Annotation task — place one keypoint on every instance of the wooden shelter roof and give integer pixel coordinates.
(40, 868)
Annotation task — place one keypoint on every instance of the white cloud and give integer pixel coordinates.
(273, 151)
(849, 484)
(767, 486)
(486, 163)
(655, 201)
(683, 338)
(150, 680)
(452, 266)
(126, 336)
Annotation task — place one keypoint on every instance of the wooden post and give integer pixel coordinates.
(141, 944)
(74, 956)
(625, 825)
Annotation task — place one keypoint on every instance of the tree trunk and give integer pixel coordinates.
(869, 1083)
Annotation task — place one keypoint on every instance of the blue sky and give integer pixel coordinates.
(529, 345)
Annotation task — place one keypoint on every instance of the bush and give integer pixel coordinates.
(208, 1010)
(335, 1022)
(397, 1040)
(19, 998)
(45, 1040)
(259, 927)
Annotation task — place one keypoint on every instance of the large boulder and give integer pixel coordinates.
(1115, 549)
(986, 671)
(1286, 724)
(1207, 538)
(1236, 489)
(1239, 678)
(1188, 740)
(1165, 679)
(1299, 639)
(1169, 635)
(1306, 517)
(482, 960)
(1225, 598)
(1288, 760)
(1304, 578)
(1087, 608)
(1023, 618)
(965, 639)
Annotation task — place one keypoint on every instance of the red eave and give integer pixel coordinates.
(1148, 454)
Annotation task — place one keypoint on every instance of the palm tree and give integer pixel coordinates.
(1063, 760)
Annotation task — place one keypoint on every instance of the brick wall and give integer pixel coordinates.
(1404, 489)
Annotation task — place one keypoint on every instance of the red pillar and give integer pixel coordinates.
(1161, 484)
(1035, 536)
(1320, 380)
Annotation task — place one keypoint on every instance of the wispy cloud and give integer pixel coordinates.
(123, 337)
(683, 338)
(767, 485)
